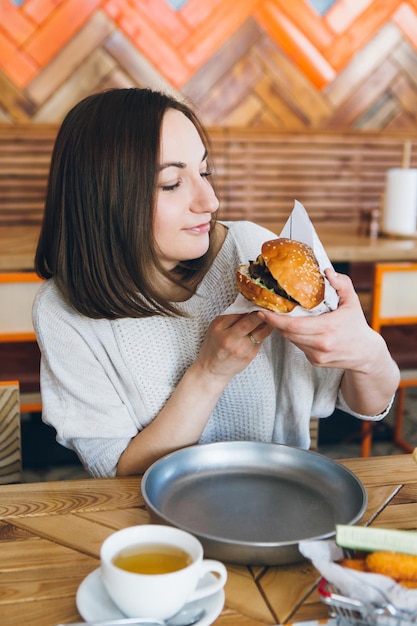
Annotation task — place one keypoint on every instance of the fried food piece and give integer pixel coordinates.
(410, 584)
(358, 564)
(393, 564)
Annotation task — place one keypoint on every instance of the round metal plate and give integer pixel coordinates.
(251, 502)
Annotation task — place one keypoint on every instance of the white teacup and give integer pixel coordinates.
(159, 595)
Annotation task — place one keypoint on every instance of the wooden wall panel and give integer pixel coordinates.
(260, 63)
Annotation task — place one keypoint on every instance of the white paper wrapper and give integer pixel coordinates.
(363, 586)
(300, 228)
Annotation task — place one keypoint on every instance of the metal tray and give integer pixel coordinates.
(251, 503)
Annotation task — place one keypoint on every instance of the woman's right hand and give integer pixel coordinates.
(228, 348)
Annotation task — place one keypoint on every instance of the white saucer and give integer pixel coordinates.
(94, 603)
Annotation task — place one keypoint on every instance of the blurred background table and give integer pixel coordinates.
(18, 245)
(51, 533)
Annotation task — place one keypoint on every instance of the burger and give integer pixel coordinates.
(284, 275)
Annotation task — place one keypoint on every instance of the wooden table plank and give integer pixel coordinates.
(69, 530)
(119, 518)
(245, 596)
(378, 498)
(407, 494)
(41, 613)
(36, 573)
(311, 609)
(384, 470)
(287, 587)
(55, 497)
(41, 554)
(401, 516)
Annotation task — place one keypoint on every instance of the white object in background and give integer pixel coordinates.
(400, 209)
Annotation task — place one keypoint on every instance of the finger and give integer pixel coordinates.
(290, 326)
(342, 284)
(247, 323)
(260, 333)
(227, 321)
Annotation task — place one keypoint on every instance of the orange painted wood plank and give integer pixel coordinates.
(406, 19)
(341, 15)
(167, 60)
(171, 28)
(165, 20)
(360, 32)
(63, 23)
(84, 43)
(297, 47)
(13, 23)
(38, 10)
(16, 65)
(222, 24)
(7, 49)
(308, 21)
(195, 12)
(112, 9)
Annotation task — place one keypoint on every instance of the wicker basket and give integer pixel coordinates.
(350, 612)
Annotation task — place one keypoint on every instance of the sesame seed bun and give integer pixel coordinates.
(287, 273)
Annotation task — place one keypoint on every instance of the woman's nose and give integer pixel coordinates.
(205, 199)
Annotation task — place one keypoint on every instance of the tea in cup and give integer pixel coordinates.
(154, 570)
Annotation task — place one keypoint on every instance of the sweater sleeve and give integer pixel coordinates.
(82, 396)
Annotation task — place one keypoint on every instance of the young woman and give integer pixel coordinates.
(138, 359)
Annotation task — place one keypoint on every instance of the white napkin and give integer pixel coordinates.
(298, 227)
(362, 586)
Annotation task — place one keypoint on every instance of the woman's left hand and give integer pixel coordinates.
(343, 339)
(340, 338)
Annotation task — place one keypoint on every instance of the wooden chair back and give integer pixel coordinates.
(10, 441)
(17, 292)
(19, 352)
(394, 315)
(314, 433)
(394, 299)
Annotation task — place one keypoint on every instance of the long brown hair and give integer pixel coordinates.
(96, 239)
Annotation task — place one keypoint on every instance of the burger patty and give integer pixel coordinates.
(258, 270)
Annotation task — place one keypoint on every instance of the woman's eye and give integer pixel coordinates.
(170, 187)
(205, 174)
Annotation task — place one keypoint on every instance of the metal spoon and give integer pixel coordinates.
(185, 617)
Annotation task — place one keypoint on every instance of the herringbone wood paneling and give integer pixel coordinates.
(242, 62)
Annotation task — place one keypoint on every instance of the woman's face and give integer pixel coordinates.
(185, 199)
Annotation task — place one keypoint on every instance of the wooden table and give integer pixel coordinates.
(50, 536)
(17, 248)
(18, 245)
(345, 245)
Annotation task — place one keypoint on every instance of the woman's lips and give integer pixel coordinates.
(200, 229)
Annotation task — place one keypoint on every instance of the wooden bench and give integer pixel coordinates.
(338, 176)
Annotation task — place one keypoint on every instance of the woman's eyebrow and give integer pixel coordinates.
(179, 164)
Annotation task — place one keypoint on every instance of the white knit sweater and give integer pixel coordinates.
(103, 381)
